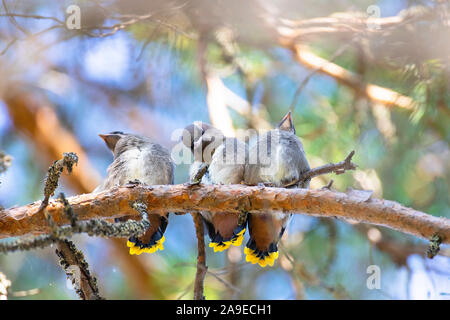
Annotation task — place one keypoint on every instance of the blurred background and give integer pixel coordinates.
(370, 76)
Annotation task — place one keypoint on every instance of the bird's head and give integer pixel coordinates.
(112, 138)
(202, 139)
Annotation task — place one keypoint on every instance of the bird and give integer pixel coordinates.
(276, 159)
(225, 160)
(138, 159)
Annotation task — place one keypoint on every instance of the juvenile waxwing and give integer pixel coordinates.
(277, 159)
(138, 158)
(225, 158)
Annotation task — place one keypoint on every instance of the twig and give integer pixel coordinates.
(434, 246)
(225, 282)
(31, 16)
(337, 168)
(13, 20)
(92, 228)
(71, 259)
(215, 274)
(201, 258)
(54, 173)
(202, 169)
(77, 270)
(37, 242)
(8, 46)
(328, 186)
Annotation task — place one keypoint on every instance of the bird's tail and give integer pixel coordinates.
(262, 257)
(152, 240)
(220, 243)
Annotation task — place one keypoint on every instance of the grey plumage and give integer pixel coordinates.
(138, 158)
(283, 162)
(277, 158)
(226, 159)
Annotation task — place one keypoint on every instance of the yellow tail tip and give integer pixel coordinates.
(137, 250)
(235, 241)
(251, 256)
(239, 238)
(219, 247)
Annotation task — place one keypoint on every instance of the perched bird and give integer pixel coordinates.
(138, 158)
(277, 159)
(225, 161)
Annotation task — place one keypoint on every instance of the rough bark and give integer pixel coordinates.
(354, 205)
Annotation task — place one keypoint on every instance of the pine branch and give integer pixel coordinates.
(356, 205)
(93, 227)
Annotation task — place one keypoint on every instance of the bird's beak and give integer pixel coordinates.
(287, 117)
(287, 123)
(110, 140)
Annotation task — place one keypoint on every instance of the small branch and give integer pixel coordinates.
(77, 270)
(38, 242)
(434, 247)
(71, 259)
(31, 16)
(54, 173)
(201, 258)
(328, 186)
(337, 168)
(13, 20)
(197, 178)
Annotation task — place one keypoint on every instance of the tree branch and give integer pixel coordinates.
(371, 91)
(201, 258)
(94, 227)
(347, 25)
(356, 205)
(77, 270)
(337, 168)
